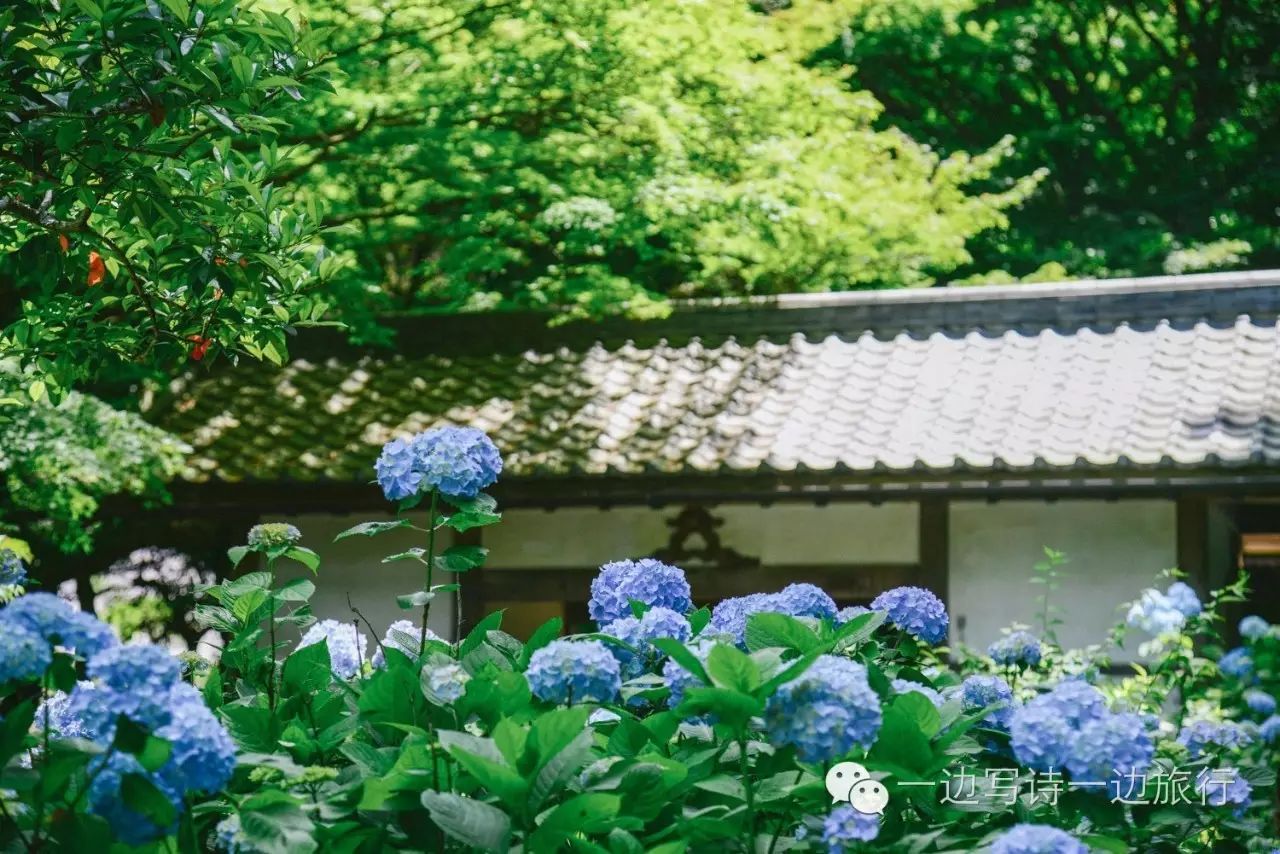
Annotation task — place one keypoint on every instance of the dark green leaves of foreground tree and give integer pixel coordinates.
(137, 218)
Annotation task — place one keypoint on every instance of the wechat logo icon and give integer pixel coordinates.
(849, 781)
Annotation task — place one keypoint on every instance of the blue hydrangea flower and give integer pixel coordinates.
(228, 838)
(1037, 839)
(24, 654)
(574, 671)
(1199, 735)
(639, 633)
(1156, 614)
(729, 616)
(446, 682)
(402, 635)
(1220, 787)
(62, 719)
(1238, 664)
(1253, 627)
(1016, 649)
(844, 615)
(806, 600)
(903, 686)
(460, 462)
(273, 535)
(202, 755)
(12, 569)
(978, 692)
(1043, 731)
(916, 611)
(135, 681)
(1183, 597)
(650, 581)
(1270, 729)
(1112, 748)
(845, 826)
(826, 711)
(347, 646)
(1259, 702)
(396, 472)
(107, 800)
(677, 678)
(58, 622)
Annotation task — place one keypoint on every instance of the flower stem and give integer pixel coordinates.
(431, 562)
(271, 630)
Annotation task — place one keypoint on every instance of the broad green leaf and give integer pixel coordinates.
(729, 667)
(471, 822)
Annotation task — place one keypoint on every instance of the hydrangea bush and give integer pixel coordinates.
(670, 728)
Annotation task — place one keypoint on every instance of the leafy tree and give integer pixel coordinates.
(1156, 119)
(57, 463)
(602, 157)
(132, 229)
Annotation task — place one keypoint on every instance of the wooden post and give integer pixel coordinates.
(934, 542)
(1193, 541)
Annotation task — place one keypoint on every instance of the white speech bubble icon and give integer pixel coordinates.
(869, 797)
(842, 777)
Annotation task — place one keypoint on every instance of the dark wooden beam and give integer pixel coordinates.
(207, 500)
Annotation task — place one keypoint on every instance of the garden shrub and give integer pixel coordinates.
(768, 723)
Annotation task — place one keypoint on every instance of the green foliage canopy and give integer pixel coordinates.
(597, 158)
(137, 218)
(1157, 121)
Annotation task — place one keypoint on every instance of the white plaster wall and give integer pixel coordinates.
(354, 567)
(1115, 549)
(778, 535)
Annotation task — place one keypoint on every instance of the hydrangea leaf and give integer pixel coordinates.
(469, 821)
(461, 558)
(274, 822)
(543, 635)
(308, 669)
(779, 630)
(370, 529)
(411, 601)
(731, 668)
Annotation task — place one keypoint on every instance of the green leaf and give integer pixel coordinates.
(860, 628)
(410, 601)
(461, 558)
(698, 620)
(729, 667)
(543, 635)
(477, 635)
(732, 707)
(370, 529)
(779, 630)
(901, 741)
(143, 797)
(683, 656)
(308, 669)
(304, 556)
(414, 553)
(475, 513)
(921, 710)
(469, 821)
(274, 822)
(589, 813)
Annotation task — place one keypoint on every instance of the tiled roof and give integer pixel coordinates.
(1138, 374)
